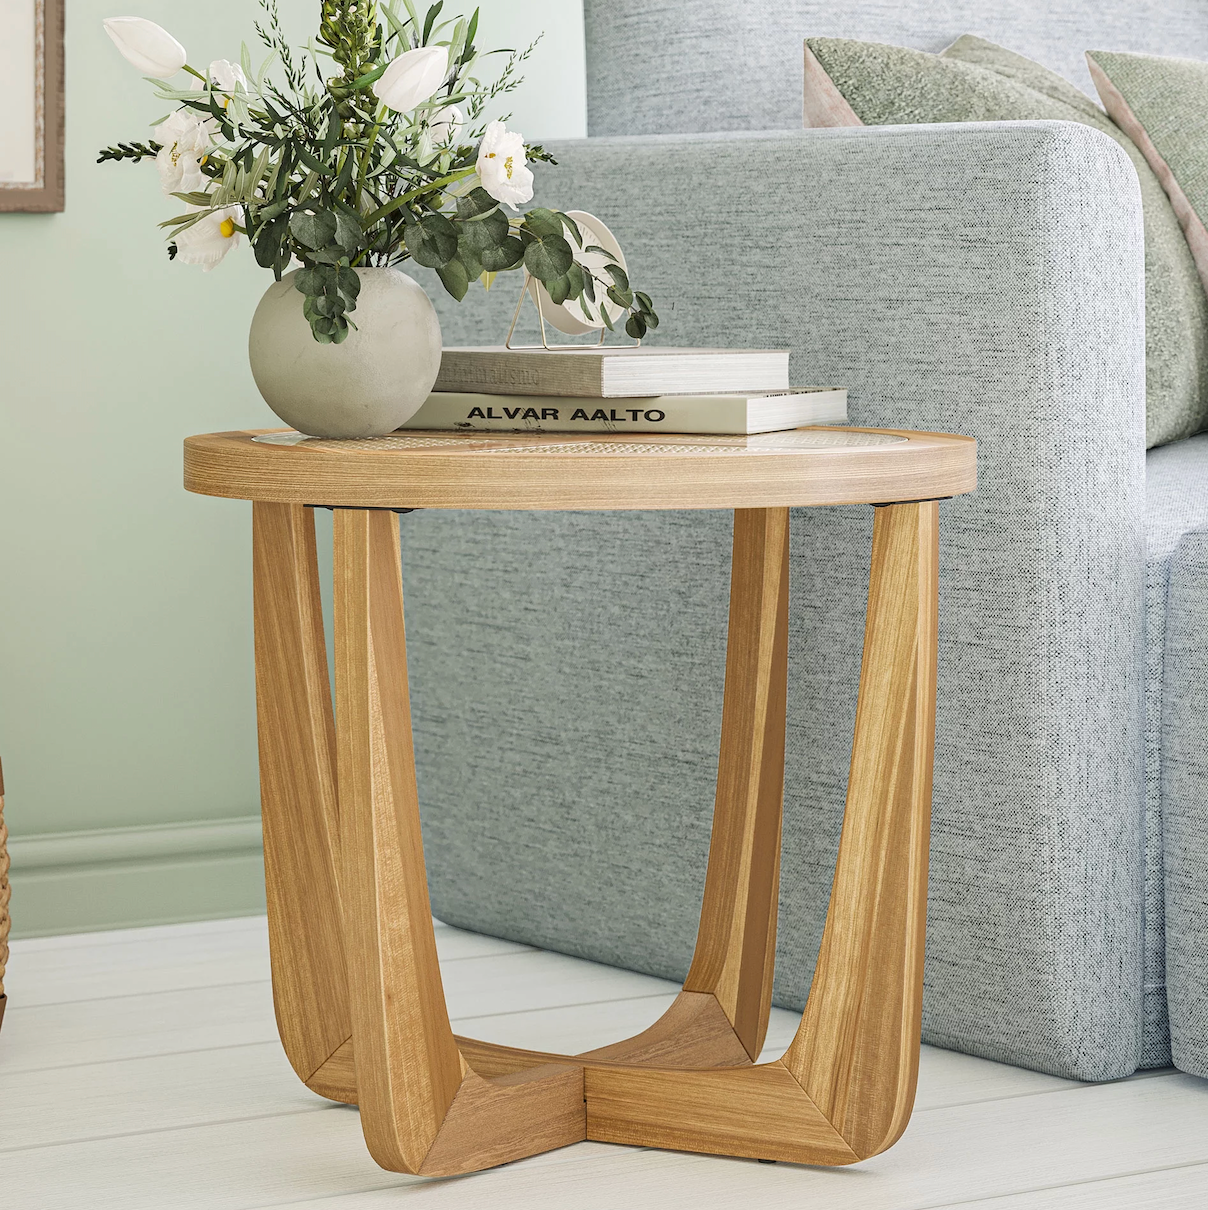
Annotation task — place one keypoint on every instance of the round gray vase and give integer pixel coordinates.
(365, 387)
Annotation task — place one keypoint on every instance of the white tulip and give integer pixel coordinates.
(225, 75)
(413, 77)
(148, 46)
(445, 124)
(186, 139)
(501, 166)
(209, 239)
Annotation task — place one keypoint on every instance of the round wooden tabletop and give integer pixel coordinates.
(417, 469)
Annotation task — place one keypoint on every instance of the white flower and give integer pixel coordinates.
(225, 75)
(413, 77)
(445, 124)
(501, 166)
(148, 46)
(209, 239)
(185, 138)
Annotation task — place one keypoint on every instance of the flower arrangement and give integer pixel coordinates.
(385, 160)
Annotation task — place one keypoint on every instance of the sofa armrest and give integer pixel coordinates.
(982, 279)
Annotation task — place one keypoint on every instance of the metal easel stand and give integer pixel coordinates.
(524, 292)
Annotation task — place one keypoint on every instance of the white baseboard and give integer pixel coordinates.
(124, 877)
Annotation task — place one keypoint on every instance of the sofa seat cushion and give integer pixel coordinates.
(1185, 804)
(1177, 746)
(1177, 517)
(848, 83)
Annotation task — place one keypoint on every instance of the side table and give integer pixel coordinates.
(356, 983)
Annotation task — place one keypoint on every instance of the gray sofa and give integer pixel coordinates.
(983, 279)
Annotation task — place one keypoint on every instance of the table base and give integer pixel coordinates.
(356, 982)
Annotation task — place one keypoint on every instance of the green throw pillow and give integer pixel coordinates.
(1162, 105)
(976, 81)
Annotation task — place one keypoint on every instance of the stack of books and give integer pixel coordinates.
(623, 389)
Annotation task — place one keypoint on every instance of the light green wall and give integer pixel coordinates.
(126, 696)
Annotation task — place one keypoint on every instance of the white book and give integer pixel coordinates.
(611, 371)
(724, 412)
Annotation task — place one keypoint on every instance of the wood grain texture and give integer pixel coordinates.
(736, 943)
(297, 788)
(760, 1112)
(498, 470)
(407, 1065)
(496, 1121)
(856, 1053)
(694, 1032)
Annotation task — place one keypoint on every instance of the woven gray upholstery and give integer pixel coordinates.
(1185, 797)
(567, 668)
(1176, 752)
(656, 66)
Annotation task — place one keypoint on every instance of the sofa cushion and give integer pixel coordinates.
(976, 81)
(1185, 802)
(1162, 104)
(1176, 482)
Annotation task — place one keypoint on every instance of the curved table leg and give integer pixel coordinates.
(845, 1088)
(857, 1050)
(297, 788)
(736, 943)
(423, 1110)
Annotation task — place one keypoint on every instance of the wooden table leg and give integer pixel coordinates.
(736, 942)
(297, 790)
(857, 1051)
(721, 1017)
(845, 1088)
(423, 1110)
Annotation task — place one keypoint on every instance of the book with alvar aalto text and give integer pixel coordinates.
(732, 412)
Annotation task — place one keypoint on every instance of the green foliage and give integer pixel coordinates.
(325, 175)
(130, 151)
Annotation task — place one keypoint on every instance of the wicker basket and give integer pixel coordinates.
(5, 894)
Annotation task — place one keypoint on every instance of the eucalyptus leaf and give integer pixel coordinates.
(481, 234)
(432, 241)
(621, 297)
(620, 278)
(506, 255)
(312, 281)
(455, 278)
(477, 201)
(558, 289)
(541, 223)
(548, 257)
(349, 282)
(571, 226)
(313, 230)
(348, 232)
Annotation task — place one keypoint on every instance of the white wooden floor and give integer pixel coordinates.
(140, 1070)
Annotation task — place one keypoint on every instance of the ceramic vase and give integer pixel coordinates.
(364, 387)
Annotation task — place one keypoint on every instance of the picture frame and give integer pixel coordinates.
(31, 105)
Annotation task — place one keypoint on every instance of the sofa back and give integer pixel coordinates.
(671, 66)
